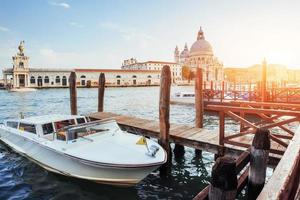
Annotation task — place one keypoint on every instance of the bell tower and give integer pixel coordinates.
(176, 55)
(20, 61)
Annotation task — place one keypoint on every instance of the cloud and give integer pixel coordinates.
(61, 4)
(76, 25)
(4, 29)
(130, 34)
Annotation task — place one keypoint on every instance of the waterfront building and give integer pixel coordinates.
(275, 73)
(133, 64)
(200, 55)
(22, 75)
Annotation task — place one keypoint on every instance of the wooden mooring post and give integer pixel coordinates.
(259, 154)
(264, 81)
(101, 89)
(199, 98)
(222, 91)
(224, 179)
(199, 103)
(164, 115)
(73, 93)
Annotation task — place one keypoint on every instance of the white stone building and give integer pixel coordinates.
(201, 55)
(21, 75)
(133, 64)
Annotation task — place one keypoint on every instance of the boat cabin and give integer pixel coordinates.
(48, 126)
(62, 127)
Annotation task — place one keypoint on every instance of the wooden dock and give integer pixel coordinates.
(198, 138)
(242, 154)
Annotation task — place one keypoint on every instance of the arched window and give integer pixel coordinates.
(118, 76)
(46, 80)
(57, 79)
(40, 81)
(32, 80)
(134, 76)
(83, 76)
(21, 65)
(64, 80)
(149, 76)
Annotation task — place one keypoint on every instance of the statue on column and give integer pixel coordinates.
(21, 48)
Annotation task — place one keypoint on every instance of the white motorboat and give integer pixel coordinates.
(183, 97)
(22, 90)
(70, 145)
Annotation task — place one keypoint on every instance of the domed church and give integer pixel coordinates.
(201, 55)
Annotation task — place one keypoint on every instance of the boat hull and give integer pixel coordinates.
(61, 163)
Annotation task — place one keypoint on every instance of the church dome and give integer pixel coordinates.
(201, 46)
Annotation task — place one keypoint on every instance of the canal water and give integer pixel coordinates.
(23, 179)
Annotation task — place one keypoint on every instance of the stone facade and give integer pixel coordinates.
(133, 64)
(201, 55)
(22, 76)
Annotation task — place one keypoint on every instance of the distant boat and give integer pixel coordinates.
(22, 90)
(183, 97)
(98, 151)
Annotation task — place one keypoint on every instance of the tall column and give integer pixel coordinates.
(25, 80)
(15, 80)
(5, 79)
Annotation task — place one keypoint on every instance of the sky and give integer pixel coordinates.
(100, 33)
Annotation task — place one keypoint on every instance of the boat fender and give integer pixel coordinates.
(152, 151)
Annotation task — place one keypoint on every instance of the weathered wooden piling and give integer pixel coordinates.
(224, 179)
(264, 81)
(178, 150)
(199, 98)
(222, 91)
(164, 114)
(259, 154)
(73, 93)
(101, 89)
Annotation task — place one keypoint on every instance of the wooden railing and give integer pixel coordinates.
(221, 91)
(266, 118)
(285, 181)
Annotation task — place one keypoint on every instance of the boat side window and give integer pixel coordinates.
(47, 128)
(12, 124)
(188, 95)
(27, 127)
(80, 120)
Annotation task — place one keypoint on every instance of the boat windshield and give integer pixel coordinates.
(82, 130)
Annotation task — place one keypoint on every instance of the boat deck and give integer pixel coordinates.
(198, 138)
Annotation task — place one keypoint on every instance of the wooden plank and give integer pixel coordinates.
(188, 132)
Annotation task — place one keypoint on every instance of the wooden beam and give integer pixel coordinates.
(280, 123)
(253, 110)
(242, 120)
(279, 141)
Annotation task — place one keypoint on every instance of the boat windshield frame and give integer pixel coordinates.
(71, 128)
